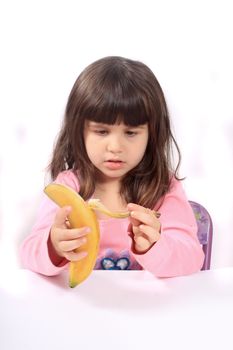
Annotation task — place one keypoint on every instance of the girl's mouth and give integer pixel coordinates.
(114, 164)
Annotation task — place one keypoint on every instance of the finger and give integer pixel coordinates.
(141, 244)
(73, 256)
(147, 218)
(67, 246)
(68, 224)
(134, 221)
(149, 233)
(136, 231)
(61, 216)
(134, 207)
(144, 217)
(73, 233)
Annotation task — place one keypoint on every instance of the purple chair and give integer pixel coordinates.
(205, 231)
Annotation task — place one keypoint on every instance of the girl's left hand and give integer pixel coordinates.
(145, 226)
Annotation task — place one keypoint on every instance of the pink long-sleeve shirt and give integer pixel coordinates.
(177, 252)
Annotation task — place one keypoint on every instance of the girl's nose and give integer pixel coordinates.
(114, 144)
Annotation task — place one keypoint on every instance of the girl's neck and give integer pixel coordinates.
(109, 186)
(105, 184)
(109, 194)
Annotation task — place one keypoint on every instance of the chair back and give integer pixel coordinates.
(205, 231)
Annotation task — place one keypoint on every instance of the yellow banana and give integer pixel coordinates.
(82, 214)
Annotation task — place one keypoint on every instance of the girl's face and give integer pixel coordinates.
(115, 149)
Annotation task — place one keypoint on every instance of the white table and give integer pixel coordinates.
(117, 310)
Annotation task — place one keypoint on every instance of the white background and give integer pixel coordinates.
(46, 44)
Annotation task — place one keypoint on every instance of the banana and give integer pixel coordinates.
(97, 205)
(82, 214)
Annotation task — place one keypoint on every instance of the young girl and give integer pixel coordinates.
(115, 144)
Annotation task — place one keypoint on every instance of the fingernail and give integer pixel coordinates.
(82, 254)
(132, 213)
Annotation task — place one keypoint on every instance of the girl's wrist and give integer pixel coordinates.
(55, 258)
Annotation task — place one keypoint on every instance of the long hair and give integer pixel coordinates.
(110, 90)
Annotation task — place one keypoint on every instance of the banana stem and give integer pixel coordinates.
(95, 204)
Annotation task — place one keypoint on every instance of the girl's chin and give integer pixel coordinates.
(110, 174)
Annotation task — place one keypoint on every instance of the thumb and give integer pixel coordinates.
(131, 207)
(134, 222)
(61, 216)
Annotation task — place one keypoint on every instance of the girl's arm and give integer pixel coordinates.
(177, 251)
(36, 252)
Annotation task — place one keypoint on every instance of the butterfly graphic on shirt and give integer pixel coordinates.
(112, 260)
(119, 264)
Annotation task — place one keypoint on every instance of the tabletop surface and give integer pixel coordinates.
(116, 310)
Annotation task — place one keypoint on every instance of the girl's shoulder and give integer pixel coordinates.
(68, 178)
(176, 193)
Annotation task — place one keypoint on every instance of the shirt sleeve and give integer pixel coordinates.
(33, 252)
(178, 251)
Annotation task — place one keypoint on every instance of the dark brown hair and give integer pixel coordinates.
(110, 90)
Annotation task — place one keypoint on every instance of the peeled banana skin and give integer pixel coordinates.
(80, 216)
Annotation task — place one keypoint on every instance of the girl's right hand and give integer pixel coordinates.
(65, 240)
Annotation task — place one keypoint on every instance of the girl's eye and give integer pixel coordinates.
(131, 133)
(101, 132)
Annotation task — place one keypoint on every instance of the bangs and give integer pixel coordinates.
(116, 105)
